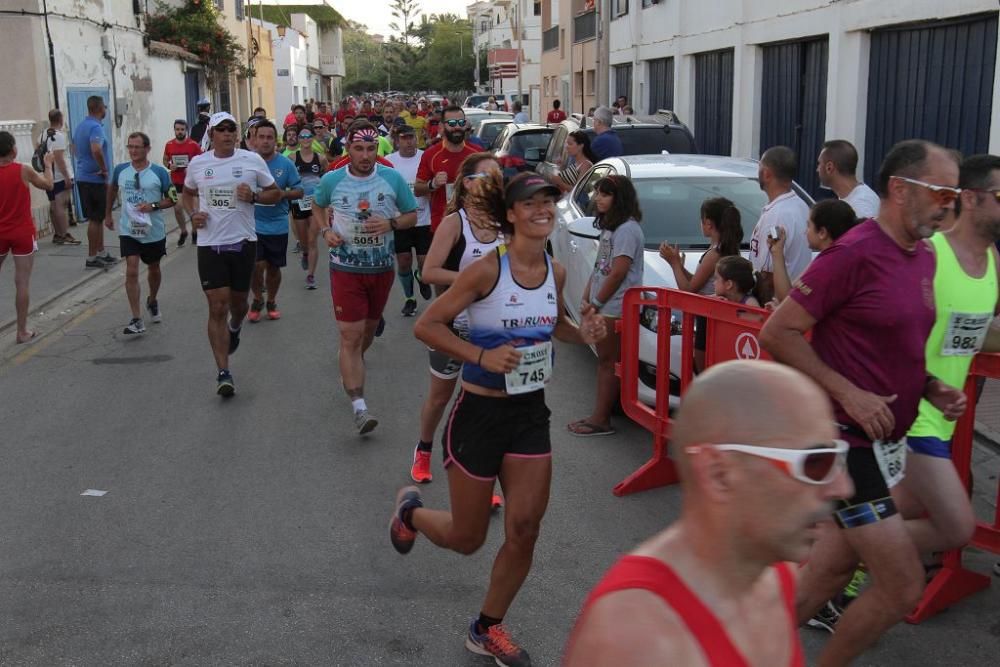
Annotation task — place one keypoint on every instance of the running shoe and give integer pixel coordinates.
(409, 308)
(498, 644)
(181, 239)
(255, 308)
(497, 501)
(95, 263)
(194, 237)
(364, 422)
(153, 308)
(234, 340)
(272, 311)
(58, 239)
(425, 289)
(224, 384)
(298, 248)
(826, 618)
(380, 329)
(107, 259)
(852, 590)
(310, 282)
(420, 471)
(135, 327)
(304, 261)
(402, 535)
(996, 568)
(68, 238)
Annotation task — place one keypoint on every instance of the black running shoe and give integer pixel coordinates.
(234, 340)
(425, 289)
(182, 239)
(826, 618)
(409, 308)
(380, 329)
(224, 384)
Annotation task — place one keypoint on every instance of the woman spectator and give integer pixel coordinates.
(828, 221)
(721, 224)
(618, 267)
(580, 158)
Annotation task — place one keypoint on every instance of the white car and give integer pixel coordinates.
(671, 189)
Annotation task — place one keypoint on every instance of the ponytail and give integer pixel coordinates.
(726, 218)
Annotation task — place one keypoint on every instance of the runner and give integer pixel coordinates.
(311, 166)
(499, 426)
(368, 201)
(439, 164)
(145, 190)
(868, 293)
(469, 232)
(177, 153)
(219, 196)
(965, 296)
(17, 228)
(682, 597)
(271, 221)
(418, 239)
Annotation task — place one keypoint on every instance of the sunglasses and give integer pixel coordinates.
(819, 465)
(941, 194)
(225, 127)
(455, 122)
(995, 193)
(481, 174)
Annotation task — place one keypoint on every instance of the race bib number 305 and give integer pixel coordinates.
(222, 198)
(965, 334)
(534, 371)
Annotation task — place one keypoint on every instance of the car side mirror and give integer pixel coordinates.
(584, 228)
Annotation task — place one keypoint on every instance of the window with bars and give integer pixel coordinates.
(661, 84)
(620, 7)
(239, 9)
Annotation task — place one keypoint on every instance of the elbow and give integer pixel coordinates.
(770, 338)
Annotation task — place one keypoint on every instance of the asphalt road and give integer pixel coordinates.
(253, 531)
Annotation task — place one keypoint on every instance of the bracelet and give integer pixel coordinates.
(597, 304)
(482, 351)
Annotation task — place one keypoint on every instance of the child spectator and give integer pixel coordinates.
(734, 280)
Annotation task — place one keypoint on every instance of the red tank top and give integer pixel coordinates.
(650, 574)
(15, 200)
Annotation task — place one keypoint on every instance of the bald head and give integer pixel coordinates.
(753, 403)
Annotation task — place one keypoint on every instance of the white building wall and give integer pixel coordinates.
(683, 29)
(291, 73)
(169, 101)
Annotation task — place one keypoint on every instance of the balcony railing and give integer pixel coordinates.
(585, 26)
(550, 39)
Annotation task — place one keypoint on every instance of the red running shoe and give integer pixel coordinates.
(420, 471)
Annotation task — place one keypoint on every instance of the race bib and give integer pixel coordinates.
(448, 189)
(179, 161)
(305, 204)
(965, 334)
(360, 237)
(534, 371)
(222, 198)
(891, 459)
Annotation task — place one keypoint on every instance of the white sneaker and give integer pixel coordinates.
(364, 422)
(135, 327)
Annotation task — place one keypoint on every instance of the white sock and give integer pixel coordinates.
(359, 404)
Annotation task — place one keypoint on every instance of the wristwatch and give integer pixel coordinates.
(155, 206)
(253, 198)
(392, 224)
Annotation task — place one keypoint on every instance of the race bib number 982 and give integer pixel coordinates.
(965, 334)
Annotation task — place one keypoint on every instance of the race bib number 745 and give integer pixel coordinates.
(533, 372)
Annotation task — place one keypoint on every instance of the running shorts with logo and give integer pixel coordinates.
(149, 253)
(874, 469)
(273, 249)
(964, 308)
(444, 366)
(359, 296)
(482, 430)
(93, 200)
(229, 265)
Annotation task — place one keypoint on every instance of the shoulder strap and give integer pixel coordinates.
(787, 581)
(653, 575)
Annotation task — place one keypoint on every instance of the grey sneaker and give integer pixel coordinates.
(153, 308)
(108, 259)
(135, 327)
(826, 618)
(364, 422)
(96, 263)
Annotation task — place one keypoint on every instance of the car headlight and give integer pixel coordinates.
(649, 318)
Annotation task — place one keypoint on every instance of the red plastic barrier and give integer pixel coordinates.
(953, 582)
(731, 334)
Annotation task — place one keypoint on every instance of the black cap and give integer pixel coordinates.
(521, 188)
(403, 128)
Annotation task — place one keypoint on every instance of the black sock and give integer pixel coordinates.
(425, 446)
(486, 622)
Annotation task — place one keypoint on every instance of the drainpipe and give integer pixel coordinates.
(52, 53)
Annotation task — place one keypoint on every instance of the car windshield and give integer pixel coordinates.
(671, 207)
(522, 141)
(490, 132)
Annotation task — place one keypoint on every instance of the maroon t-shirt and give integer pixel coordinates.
(874, 307)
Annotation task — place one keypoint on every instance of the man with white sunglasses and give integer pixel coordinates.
(756, 484)
(869, 302)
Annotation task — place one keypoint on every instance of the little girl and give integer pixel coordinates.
(734, 280)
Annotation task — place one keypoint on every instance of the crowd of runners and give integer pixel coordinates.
(853, 424)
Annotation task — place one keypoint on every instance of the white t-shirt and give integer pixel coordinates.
(791, 213)
(864, 201)
(407, 167)
(216, 179)
(58, 143)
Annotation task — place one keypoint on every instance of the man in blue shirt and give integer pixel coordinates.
(272, 224)
(93, 157)
(145, 192)
(606, 143)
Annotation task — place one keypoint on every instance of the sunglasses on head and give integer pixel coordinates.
(480, 174)
(818, 465)
(941, 194)
(455, 122)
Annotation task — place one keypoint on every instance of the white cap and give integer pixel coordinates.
(220, 116)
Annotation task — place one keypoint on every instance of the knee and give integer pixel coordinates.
(217, 310)
(132, 272)
(522, 533)
(902, 590)
(958, 530)
(467, 544)
(351, 341)
(439, 399)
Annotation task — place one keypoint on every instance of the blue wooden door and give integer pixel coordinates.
(191, 94)
(76, 99)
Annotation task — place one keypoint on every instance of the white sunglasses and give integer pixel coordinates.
(819, 465)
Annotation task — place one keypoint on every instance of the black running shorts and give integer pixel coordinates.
(273, 249)
(228, 266)
(415, 238)
(872, 501)
(149, 253)
(482, 430)
(93, 200)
